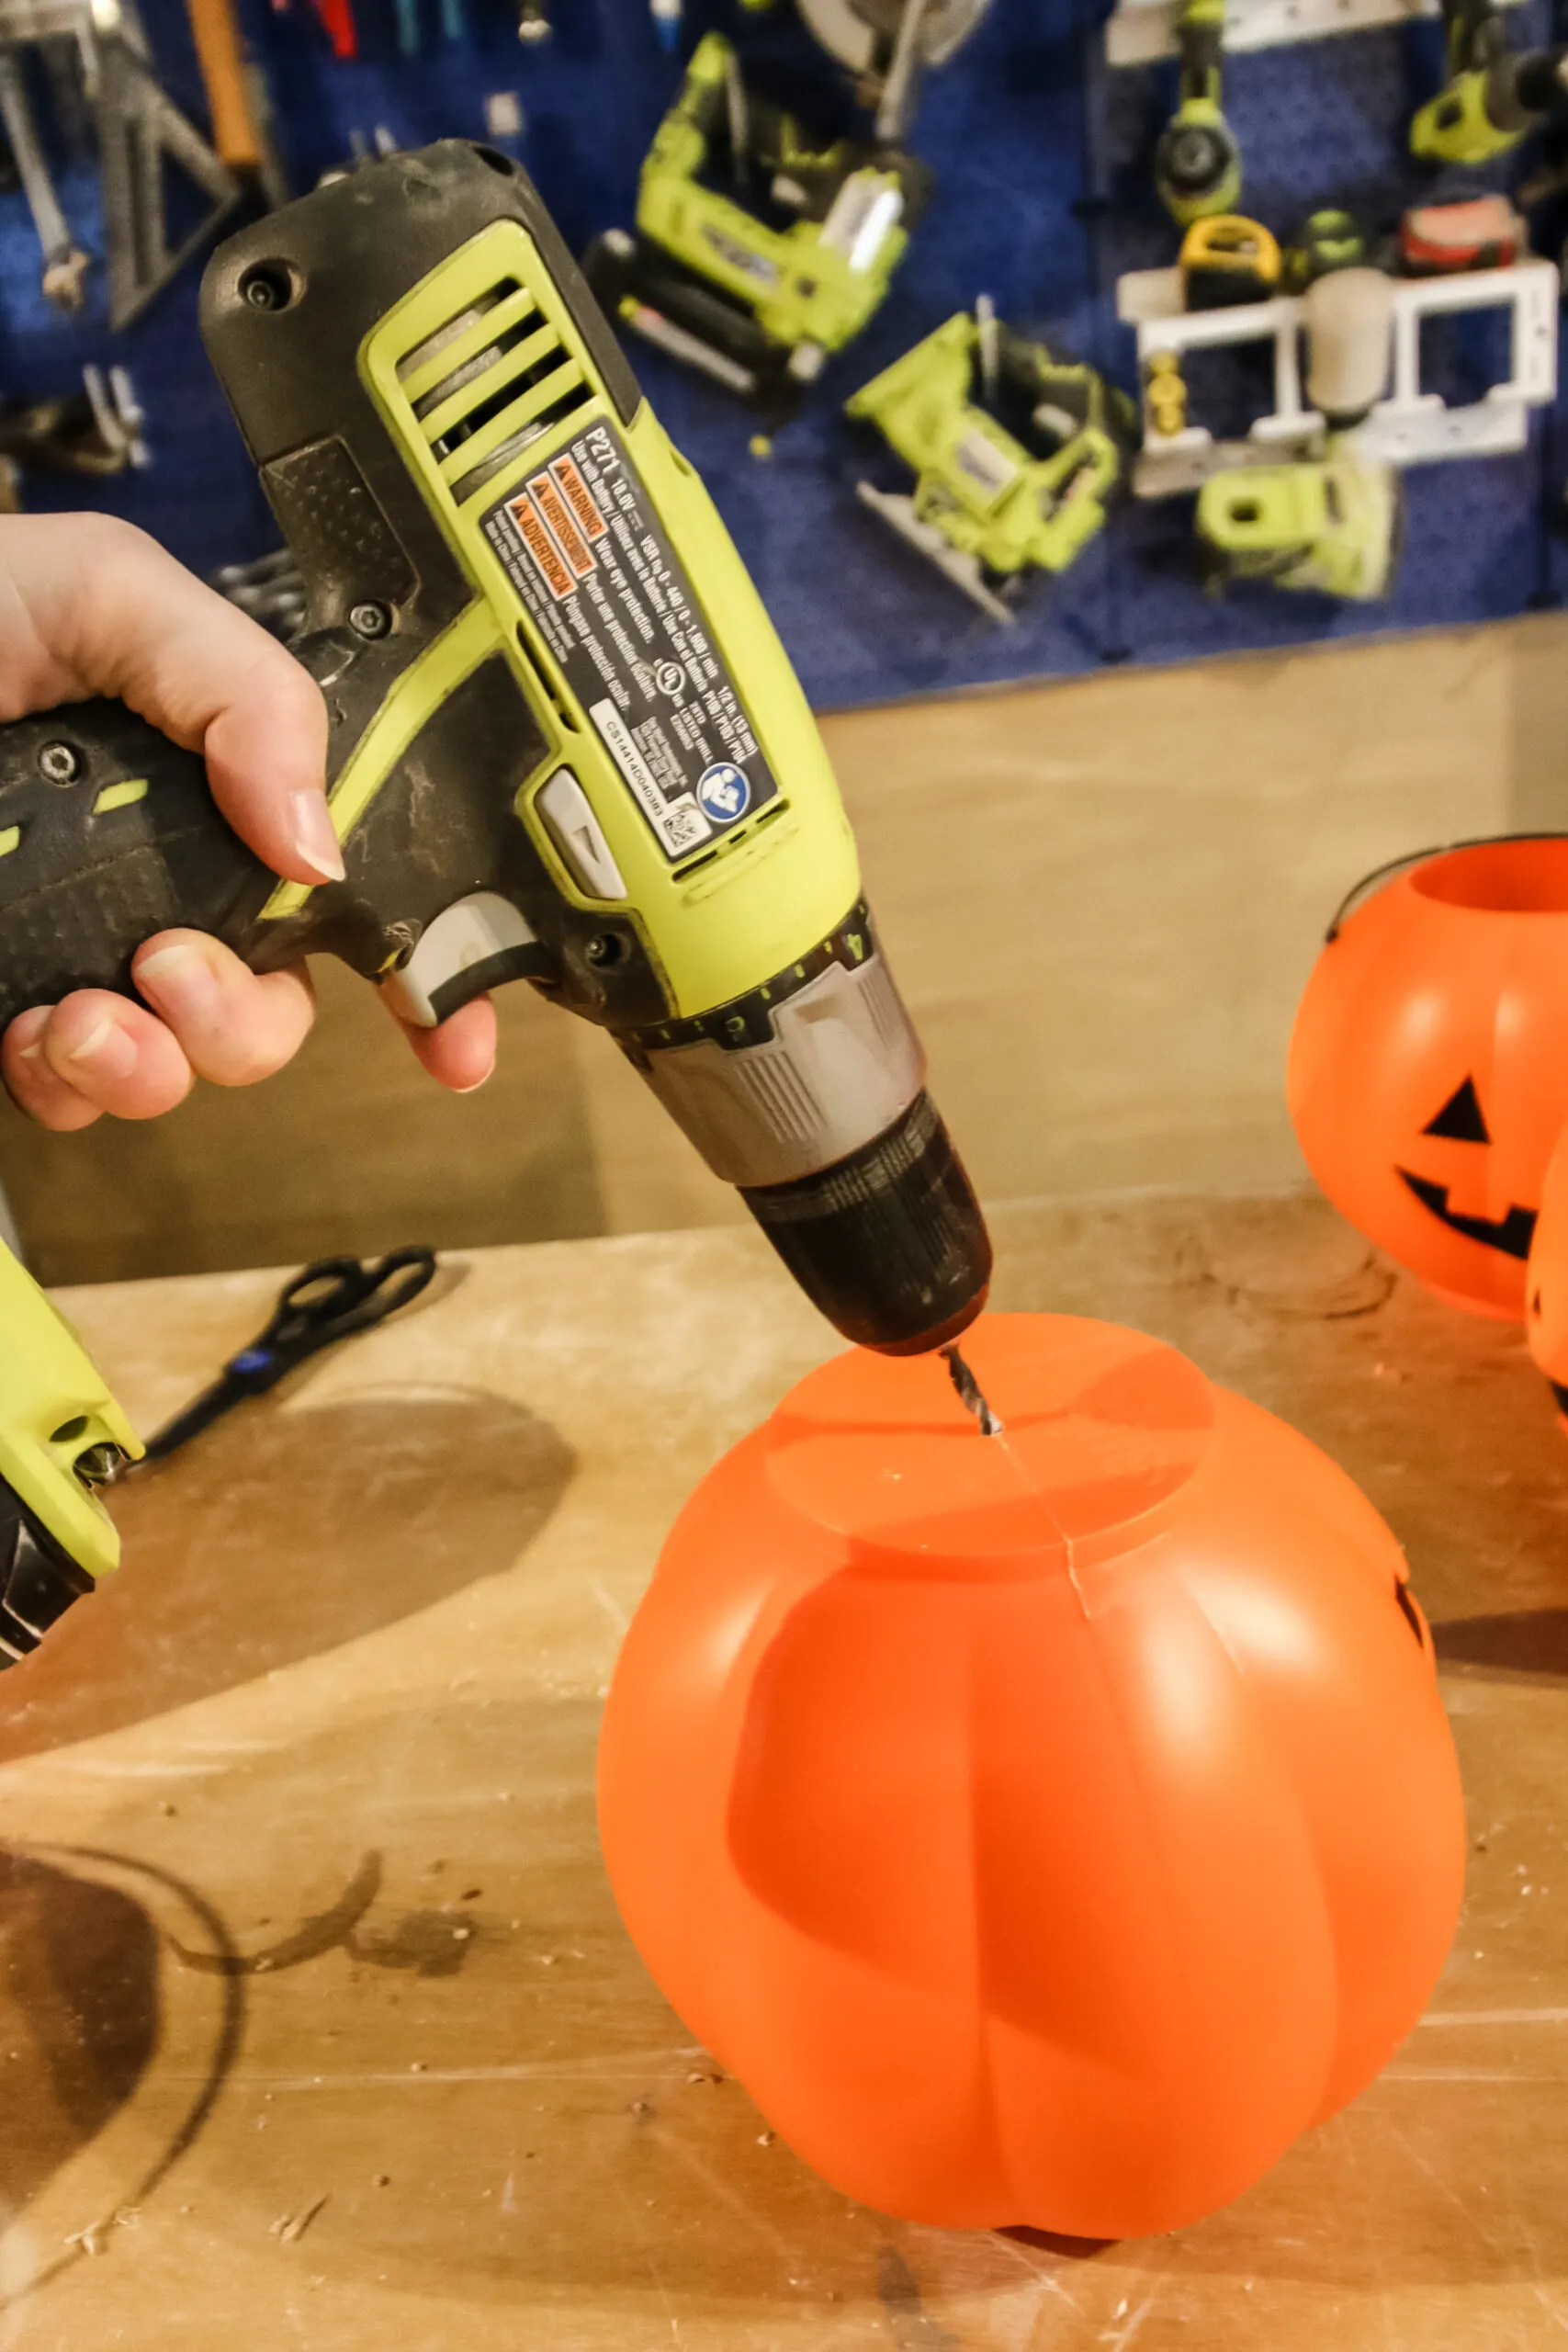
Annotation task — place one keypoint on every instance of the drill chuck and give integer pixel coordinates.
(808, 1094)
(890, 1245)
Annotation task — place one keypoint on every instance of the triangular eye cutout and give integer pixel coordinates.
(1460, 1118)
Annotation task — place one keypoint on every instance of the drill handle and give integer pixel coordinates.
(107, 833)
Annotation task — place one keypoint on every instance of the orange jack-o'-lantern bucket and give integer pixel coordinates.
(1046, 1828)
(1546, 1280)
(1428, 1066)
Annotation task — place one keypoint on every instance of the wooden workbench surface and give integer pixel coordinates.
(317, 2026)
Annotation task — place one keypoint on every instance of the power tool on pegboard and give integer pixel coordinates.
(1198, 160)
(710, 276)
(1330, 525)
(1332, 522)
(566, 746)
(1019, 453)
(1494, 94)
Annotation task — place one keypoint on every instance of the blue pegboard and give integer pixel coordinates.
(1044, 195)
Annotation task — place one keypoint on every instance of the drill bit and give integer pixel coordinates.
(969, 1389)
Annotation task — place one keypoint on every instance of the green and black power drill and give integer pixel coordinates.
(1494, 94)
(566, 746)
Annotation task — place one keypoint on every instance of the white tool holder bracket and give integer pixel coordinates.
(1408, 426)
(1141, 30)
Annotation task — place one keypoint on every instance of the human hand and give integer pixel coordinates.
(90, 605)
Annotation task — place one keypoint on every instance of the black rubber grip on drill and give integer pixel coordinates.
(108, 833)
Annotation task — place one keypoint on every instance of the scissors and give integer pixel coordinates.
(326, 1301)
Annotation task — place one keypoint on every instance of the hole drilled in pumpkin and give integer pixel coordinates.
(1527, 878)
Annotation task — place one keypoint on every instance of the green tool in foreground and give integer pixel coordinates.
(1330, 524)
(1018, 454)
(61, 1437)
(565, 746)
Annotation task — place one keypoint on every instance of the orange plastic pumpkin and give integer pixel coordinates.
(1546, 1281)
(1428, 1067)
(1047, 1828)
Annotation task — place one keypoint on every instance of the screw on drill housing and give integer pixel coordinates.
(269, 286)
(969, 1389)
(58, 763)
(369, 620)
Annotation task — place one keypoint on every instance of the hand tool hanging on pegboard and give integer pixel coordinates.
(65, 264)
(237, 99)
(140, 131)
(95, 433)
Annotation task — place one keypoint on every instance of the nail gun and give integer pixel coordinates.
(758, 251)
(566, 746)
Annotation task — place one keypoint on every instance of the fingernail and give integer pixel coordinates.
(315, 837)
(107, 1051)
(31, 1053)
(180, 982)
(476, 1083)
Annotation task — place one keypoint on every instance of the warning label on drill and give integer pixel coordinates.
(583, 549)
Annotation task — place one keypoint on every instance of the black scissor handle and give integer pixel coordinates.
(327, 1301)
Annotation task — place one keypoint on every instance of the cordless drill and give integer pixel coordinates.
(1494, 94)
(1198, 160)
(566, 746)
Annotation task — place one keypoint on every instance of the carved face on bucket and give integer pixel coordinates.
(1461, 1120)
